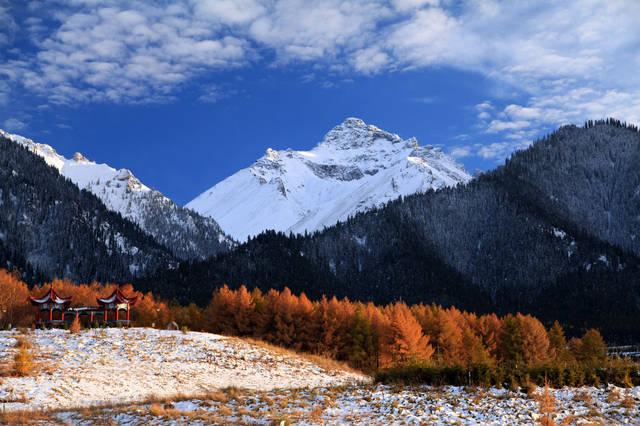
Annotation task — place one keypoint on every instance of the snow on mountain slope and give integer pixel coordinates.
(187, 234)
(355, 167)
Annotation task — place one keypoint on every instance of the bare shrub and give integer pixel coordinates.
(23, 364)
(75, 326)
(583, 397)
(628, 402)
(547, 404)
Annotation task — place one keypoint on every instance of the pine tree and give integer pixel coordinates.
(511, 343)
(558, 342)
(407, 342)
(448, 339)
(243, 311)
(473, 351)
(306, 330)
(361, 351)
(593, 349)
(220, 314)
(284, 327)
(534, 340)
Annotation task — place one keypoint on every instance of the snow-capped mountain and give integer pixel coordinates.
(354, 168)
(184, 232)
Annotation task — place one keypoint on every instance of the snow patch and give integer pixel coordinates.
(108, 366)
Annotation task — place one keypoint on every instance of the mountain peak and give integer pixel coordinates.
(78, 157)
(357, 166)
(354, 133)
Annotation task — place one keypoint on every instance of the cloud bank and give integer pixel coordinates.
(565, 61)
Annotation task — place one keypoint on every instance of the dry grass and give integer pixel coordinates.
(327, 364)
(584, 397)
(157, 410)
(25, 417)
(628, 402)
(613, 396)
(75, 327)
(568, 420)
(224, 411)
(216, 396)
(531, 390)
(23, 342)
(316, 414)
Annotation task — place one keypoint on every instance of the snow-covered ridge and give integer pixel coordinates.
(354, 168)
(185, 233)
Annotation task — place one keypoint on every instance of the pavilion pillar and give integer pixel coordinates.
(91, 317)
(117, 313)
(50, 314)
(128, 310)
(106, 318)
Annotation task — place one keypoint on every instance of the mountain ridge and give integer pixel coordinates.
(187, 234)
(51, 228)
(356, 166)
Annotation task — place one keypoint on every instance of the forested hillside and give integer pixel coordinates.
(591, 176)
(49, 227)
(519, 238)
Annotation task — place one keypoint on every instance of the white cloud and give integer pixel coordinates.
(7, 24)
(496, 151)
(300, 30)
(14, 125)
(229, 11)
(370, 60)
(499, 150)
(430, 37)
(426, 100)
(557, 63)
(124, 52)
(212, 94)
(461, 151)
(406, 5)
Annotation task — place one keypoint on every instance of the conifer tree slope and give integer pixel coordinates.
(591, 176)
(50, 228)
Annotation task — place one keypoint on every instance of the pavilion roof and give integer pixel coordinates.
(50, 296)
(117, 297)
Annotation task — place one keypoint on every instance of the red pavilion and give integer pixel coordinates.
(54, 310)
(51, 308)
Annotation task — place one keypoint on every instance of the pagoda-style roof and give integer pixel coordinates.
(117, 297)
(50, 297)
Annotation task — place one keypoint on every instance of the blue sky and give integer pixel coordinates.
(186, 93)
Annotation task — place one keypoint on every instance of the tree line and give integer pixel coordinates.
(432, 342)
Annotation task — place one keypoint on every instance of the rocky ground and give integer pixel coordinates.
(379, 405)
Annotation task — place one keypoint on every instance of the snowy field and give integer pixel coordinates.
(378, 405)
(146, 376)
(115, 366)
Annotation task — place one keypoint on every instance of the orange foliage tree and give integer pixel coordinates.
(14, 305)
(406, 341)
(366, 335)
